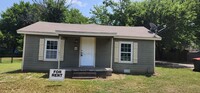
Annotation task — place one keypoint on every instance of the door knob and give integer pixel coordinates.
(81, 52)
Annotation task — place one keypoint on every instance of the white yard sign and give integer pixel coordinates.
(57, 74)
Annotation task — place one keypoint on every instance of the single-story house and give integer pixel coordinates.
(88, 47)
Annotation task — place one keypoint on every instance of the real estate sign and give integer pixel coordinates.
(57, 74)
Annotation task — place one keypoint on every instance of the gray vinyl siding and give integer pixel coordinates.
(145, 59)
(103, 52)
(31, 62)
(71, 56)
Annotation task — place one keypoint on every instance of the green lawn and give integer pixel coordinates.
(167, 80)
(6, 64)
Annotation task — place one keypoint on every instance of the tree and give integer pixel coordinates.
(118, 14)
(100, 15)
(74, 16)
(179, 17)
(18, 16)
(1, 39)
(58, 11)
(52, 10)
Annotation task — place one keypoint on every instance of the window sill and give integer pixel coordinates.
(50, 60)
(127, 62)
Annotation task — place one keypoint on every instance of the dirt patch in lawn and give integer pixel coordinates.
(114, 76)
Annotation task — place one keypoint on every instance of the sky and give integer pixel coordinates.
(83, 5)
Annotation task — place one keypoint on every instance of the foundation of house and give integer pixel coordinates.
(88, 72)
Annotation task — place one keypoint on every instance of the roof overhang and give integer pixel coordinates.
(82, 33)
(139, 38)
(37, 33)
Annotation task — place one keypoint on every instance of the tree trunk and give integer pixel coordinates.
(12, 55)
(12, 59)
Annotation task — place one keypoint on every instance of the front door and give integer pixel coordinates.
(87, 51)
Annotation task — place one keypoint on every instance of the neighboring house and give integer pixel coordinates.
(89, 47)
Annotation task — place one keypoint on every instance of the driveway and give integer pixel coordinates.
(174, 65)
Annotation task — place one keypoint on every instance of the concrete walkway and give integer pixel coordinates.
(173, 65)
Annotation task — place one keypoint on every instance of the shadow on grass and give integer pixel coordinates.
(45, 76)
(171, 65)
(136, 74)
(14, 71)
(51, 86)
(20, 71)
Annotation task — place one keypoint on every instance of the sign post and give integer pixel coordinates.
(59, 41)
(57, 74)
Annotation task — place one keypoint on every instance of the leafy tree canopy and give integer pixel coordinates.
(52, 10)
(18, 16)
(74, 16)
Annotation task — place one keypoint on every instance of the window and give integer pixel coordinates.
(126, 52)
(51, 49)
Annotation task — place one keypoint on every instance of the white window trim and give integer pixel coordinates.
(45, 50)
(125, 42)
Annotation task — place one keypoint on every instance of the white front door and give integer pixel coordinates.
(87, 51)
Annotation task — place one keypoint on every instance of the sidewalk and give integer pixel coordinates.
(174, 65)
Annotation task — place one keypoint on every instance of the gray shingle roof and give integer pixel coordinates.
(48, 28)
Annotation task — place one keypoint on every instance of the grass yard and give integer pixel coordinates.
(167, 80)
(6, 65)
